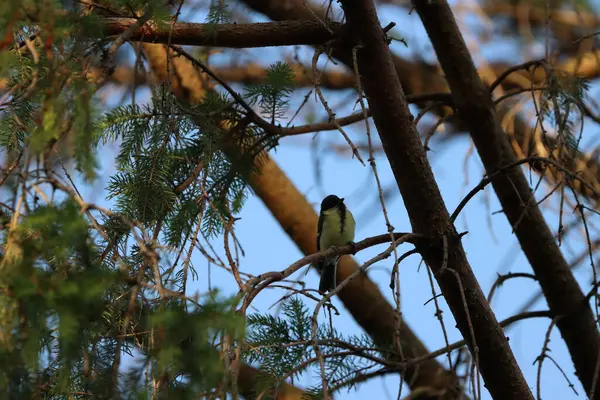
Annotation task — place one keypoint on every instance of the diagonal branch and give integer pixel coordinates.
(361, 296)
(417, 77)
(426, 209)
(471, 97)
(297, 218)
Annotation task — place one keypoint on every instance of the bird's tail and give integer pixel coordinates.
(328, 275)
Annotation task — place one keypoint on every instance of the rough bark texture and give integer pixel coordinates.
(426, 209)
(296, 216)
(565, 298)
(264, 34)
(361, 296)
(188, 85)
(418, 77)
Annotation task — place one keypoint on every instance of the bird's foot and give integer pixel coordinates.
(334, 249)
(354, 249)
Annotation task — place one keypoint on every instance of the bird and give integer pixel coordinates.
(335, 228)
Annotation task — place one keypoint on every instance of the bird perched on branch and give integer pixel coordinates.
(336, 228)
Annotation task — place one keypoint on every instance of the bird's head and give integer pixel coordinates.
(330, 202)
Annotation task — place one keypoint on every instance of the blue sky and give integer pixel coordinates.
(275, 251)
(490, 246)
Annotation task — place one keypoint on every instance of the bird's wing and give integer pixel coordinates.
(319, 230)
(352, 222)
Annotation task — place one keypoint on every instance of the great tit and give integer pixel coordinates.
(336, 228)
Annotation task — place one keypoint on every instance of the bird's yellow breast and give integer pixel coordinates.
(331, 234)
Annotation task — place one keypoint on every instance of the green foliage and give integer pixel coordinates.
(60, 231)
(183, 346)
(68, 305)
(8, 11)
(134, 8)
(69, 311)
(273, 95)
(50, 97)
(161, 146)
(563, 104)
(218, 13)
(77, 295)
(16, 116)
(80, 293)
(283, 346)
(57, 292)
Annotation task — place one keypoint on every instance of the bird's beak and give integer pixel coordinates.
(342, 200)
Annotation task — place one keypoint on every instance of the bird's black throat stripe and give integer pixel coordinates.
(342, 210)
(320, 230)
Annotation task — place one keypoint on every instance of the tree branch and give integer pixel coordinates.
(418, 77)
(474, 104)
(426, 209)
(296, 216)
(264, 34)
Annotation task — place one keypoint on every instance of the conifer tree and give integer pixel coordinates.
(95, 298)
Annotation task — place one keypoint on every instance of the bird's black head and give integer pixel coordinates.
(330, 202)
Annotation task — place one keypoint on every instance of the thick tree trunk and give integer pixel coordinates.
(428, 214)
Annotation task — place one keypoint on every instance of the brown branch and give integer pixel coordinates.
(190, 179)
(252, 382)
(586, 65)
(566, 24)
(188, 84)
(298, 219)
(501, 77)
(419, 77)
(473, 102)
(443, 98)
(330, 253)
(253, 73)
(324, 126)
(127, 33)
(121, 76)
(264, 34)
(361, 297)
(504, 323)
(533, 161)
(426, 208)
